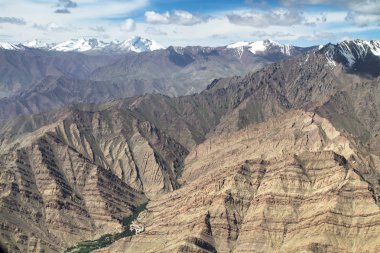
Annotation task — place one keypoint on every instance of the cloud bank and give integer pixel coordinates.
(177, 17)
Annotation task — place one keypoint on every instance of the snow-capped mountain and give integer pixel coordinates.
(139, 44)
(349, 52)
(260, 47)
(10, 46)
(80, 45)
(36, 44)
(356, 55)
(136, 44)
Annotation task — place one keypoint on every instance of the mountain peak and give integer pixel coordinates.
(135, 44)
(238, 44)
(35, 44)
(261, 46)
(10, 46)
(139, 44)
(356, 55)
(79, 45)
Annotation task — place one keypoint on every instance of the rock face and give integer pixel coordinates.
(287, 185)
(47, 203)
(358, 56)
(76, 179)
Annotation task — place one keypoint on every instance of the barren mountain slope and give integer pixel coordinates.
(181, 71)
(287, 185)
(307, 82)
(20, 70)
(76, 179)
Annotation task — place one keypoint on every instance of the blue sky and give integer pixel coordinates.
(191, 22)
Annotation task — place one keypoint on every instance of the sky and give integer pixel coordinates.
(191, 22)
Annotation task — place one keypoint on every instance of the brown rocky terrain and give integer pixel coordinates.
(287, 185)
(284, 159)
(77, 178)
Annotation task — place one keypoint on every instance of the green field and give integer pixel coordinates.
(108, 239)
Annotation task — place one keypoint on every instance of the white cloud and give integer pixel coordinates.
(360, 12)
(290, 2)
(157, 18)
(99, 29)
(318, 36)
(102, 19)
(362, 20)
(128, 25)
(363, 6)
(154, 31)
(88, 13)
(53, 27)
(178, 17)
(278, 17)
(64, 5)
(219, 36)
(271, 35)
(12, 20)
(322, 18)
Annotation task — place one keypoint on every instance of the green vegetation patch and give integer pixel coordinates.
(108, 239)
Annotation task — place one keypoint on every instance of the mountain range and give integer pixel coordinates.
(36, 80)
(284, 158)
(135, 44)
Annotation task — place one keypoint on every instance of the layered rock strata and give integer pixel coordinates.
(76, 179)
(287, 185)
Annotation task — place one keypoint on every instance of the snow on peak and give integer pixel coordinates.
(178, 49)
(138, 44)
(374, 46)
(238, 44)
(35, 44)
(135, 44)
(260, 46)
(10, 46)
(349, 52)
(79, 45)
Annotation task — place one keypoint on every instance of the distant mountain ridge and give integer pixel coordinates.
(135, 44)
(33, 79)
(263, 46)
(138, 44)
(38, 80)
(10, 46)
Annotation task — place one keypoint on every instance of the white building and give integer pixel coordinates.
(137, 227)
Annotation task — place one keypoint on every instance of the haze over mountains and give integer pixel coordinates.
(40, 78)
(284, 158)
